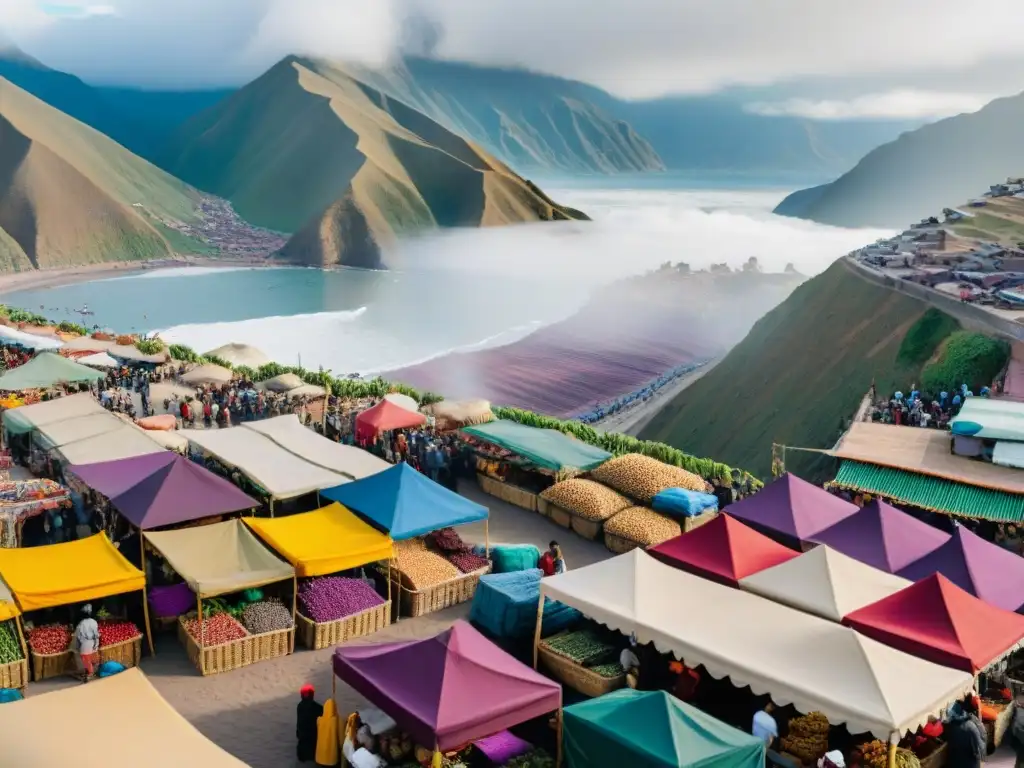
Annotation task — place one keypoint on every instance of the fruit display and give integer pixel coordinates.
(114, 632)
(643, 526)
(50, 639)
(446, 540)
(467, 562)
(420, 567)
(807, 738)
(586, 498)
(219, 628)
(269, 615)
(875, 754)
(642, 478)
(582, 646)
(10, 648)
(334, 597)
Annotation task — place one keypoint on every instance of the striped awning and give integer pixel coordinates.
(931, 493)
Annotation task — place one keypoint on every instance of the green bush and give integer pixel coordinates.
(68, 327)
(965, 358)
(925, 336)
(149, 346)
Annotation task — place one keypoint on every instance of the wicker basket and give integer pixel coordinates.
(329, 633)
(213, 659)
(996, 730)
(14, 675)
(510, 493)
(419, 602)
(588, 529)
(577, 677)
(690, 523)
(45, 666)
(543, 506)
(619, 545)
(559, 516)
(128, 653)
(937, 758)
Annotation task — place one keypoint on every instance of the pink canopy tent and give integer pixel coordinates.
(450, 689)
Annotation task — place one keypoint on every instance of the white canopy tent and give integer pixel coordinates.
(29, 340)
(279, 472)
(240, 354)
(99, 360)
(288, 433)
(31, 417)
(60, 433)
(797, 658)
(121, 443)
(824, 582)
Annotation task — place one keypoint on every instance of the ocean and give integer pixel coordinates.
(458, 290)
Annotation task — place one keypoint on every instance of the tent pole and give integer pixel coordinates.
(149, 627)
(537, 629)
(389, 591)
(21, 637)
(202, 637)
(271, 506)
(558, 736)
(487, 538)
(295, 605)
(893, 740)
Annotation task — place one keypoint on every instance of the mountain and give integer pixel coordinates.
(938, 165)
(70, 195)
(309, 148)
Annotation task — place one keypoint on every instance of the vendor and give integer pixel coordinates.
(87, 641)
(764, 725)
(686, 681)
(307, 712)
(630, 662)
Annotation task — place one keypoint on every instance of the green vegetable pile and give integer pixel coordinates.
(609, 670)
(538, 758)
(10, 649)
(582, 646)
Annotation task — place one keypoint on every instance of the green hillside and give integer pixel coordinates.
(802, 370)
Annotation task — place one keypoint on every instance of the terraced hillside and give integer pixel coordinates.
(802, 371)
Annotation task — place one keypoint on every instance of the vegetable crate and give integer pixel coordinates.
(14, 674)
(419, 602)
(576, 676)
(127, 654)
(510, 493)
(47, 665)
(317, 635)
(619, 545)
(559, 516)
(213, 659)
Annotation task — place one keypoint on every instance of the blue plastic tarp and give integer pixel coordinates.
(505, 605)
(405, 503)
(683, 503)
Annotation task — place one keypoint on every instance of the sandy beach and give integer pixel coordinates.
(250, 712)
(634, 419)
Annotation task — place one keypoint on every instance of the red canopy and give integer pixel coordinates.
(723, 550)
(936, 620)
(385, 416)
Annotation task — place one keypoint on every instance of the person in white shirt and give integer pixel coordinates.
(87, 640)
(764, 725)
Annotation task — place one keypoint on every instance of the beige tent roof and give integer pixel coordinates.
(208, 374)
(60, 433)
(307, 390)
(283, 383)
(824, 582)
(88, 344)
(121, 443)
(279, 472)
(288, 433)
(462, 411)
(98, 360)
(131, 352)
(240, 354)
(220, 558)
(169, 439)
(799, 659)
(30, 417)
(403, 401)
(150, 732)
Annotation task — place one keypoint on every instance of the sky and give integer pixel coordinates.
(823, 59)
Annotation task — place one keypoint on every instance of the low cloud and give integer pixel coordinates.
(893, 105)
(76, 10)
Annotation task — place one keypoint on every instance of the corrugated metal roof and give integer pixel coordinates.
(932, 493)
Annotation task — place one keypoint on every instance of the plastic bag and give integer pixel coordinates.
(681, 502)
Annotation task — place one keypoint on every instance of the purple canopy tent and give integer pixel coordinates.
(162, 489)
(791, 508)
(882, 536)
(450, 689)
(985, 570)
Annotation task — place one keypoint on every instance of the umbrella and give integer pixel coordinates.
(240, 354)
(208, 374)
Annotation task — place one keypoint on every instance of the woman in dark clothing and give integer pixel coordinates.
(965, 735)
(307, 713)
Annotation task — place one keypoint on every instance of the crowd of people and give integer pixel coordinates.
(636, 397)
(922, 410)
(13, 356)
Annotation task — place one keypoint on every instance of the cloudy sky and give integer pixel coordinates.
(826, 59)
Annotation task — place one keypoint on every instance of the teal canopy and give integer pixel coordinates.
(990, 419)
(547, 448)
(45, 370)
(651, 729)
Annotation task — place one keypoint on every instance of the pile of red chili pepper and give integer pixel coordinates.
(49, 639)
(114, 632)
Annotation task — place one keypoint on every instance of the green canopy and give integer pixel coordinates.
(546, 448)
(651, 729)
(45, 370)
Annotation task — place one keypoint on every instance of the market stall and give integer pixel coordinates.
(208, 374)
(983, 569)
(652, 729)
(24, 499)
(150, 731)
(224, 559)
(13, 651)
(882, 536)
(791, 510)
(724, 550)
(125, 441)
(46, 370)
(323, 542)
(386, 416)
(797, 658)
(824, 583)
(347, 460)
(516, 462)
(448, 690)
(583, 505)
(29, 418)
(408, 505)
(88, 569)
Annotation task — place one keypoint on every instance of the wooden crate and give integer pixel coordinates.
(619, 545)
(559, 516)
(213, 659)
(543, 506)
(419, 602)
(588, 529)
(45, 666)
(513, 494)
(576, 676)
(329, 633)
(936, 758)
(127, 654)
(14, 674)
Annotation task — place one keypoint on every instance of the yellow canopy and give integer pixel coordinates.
(326, 540)
(8, 608)
(59, 574)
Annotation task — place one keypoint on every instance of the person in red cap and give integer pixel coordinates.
(307, 713)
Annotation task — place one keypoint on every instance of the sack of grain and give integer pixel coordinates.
(586, 499)
(642, 478)
(421, 568)
(643, 526)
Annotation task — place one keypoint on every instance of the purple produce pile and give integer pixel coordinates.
(466, 562)
(330, 598)
(447, 540)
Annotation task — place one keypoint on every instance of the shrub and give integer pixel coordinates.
(965, 358)
(925, 336)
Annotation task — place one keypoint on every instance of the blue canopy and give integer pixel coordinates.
(405, 503)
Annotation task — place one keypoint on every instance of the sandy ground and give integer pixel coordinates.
(250, 712)
(631, 421)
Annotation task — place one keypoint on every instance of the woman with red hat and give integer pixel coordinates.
(307, 713)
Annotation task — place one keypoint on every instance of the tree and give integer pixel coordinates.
(751, 265)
